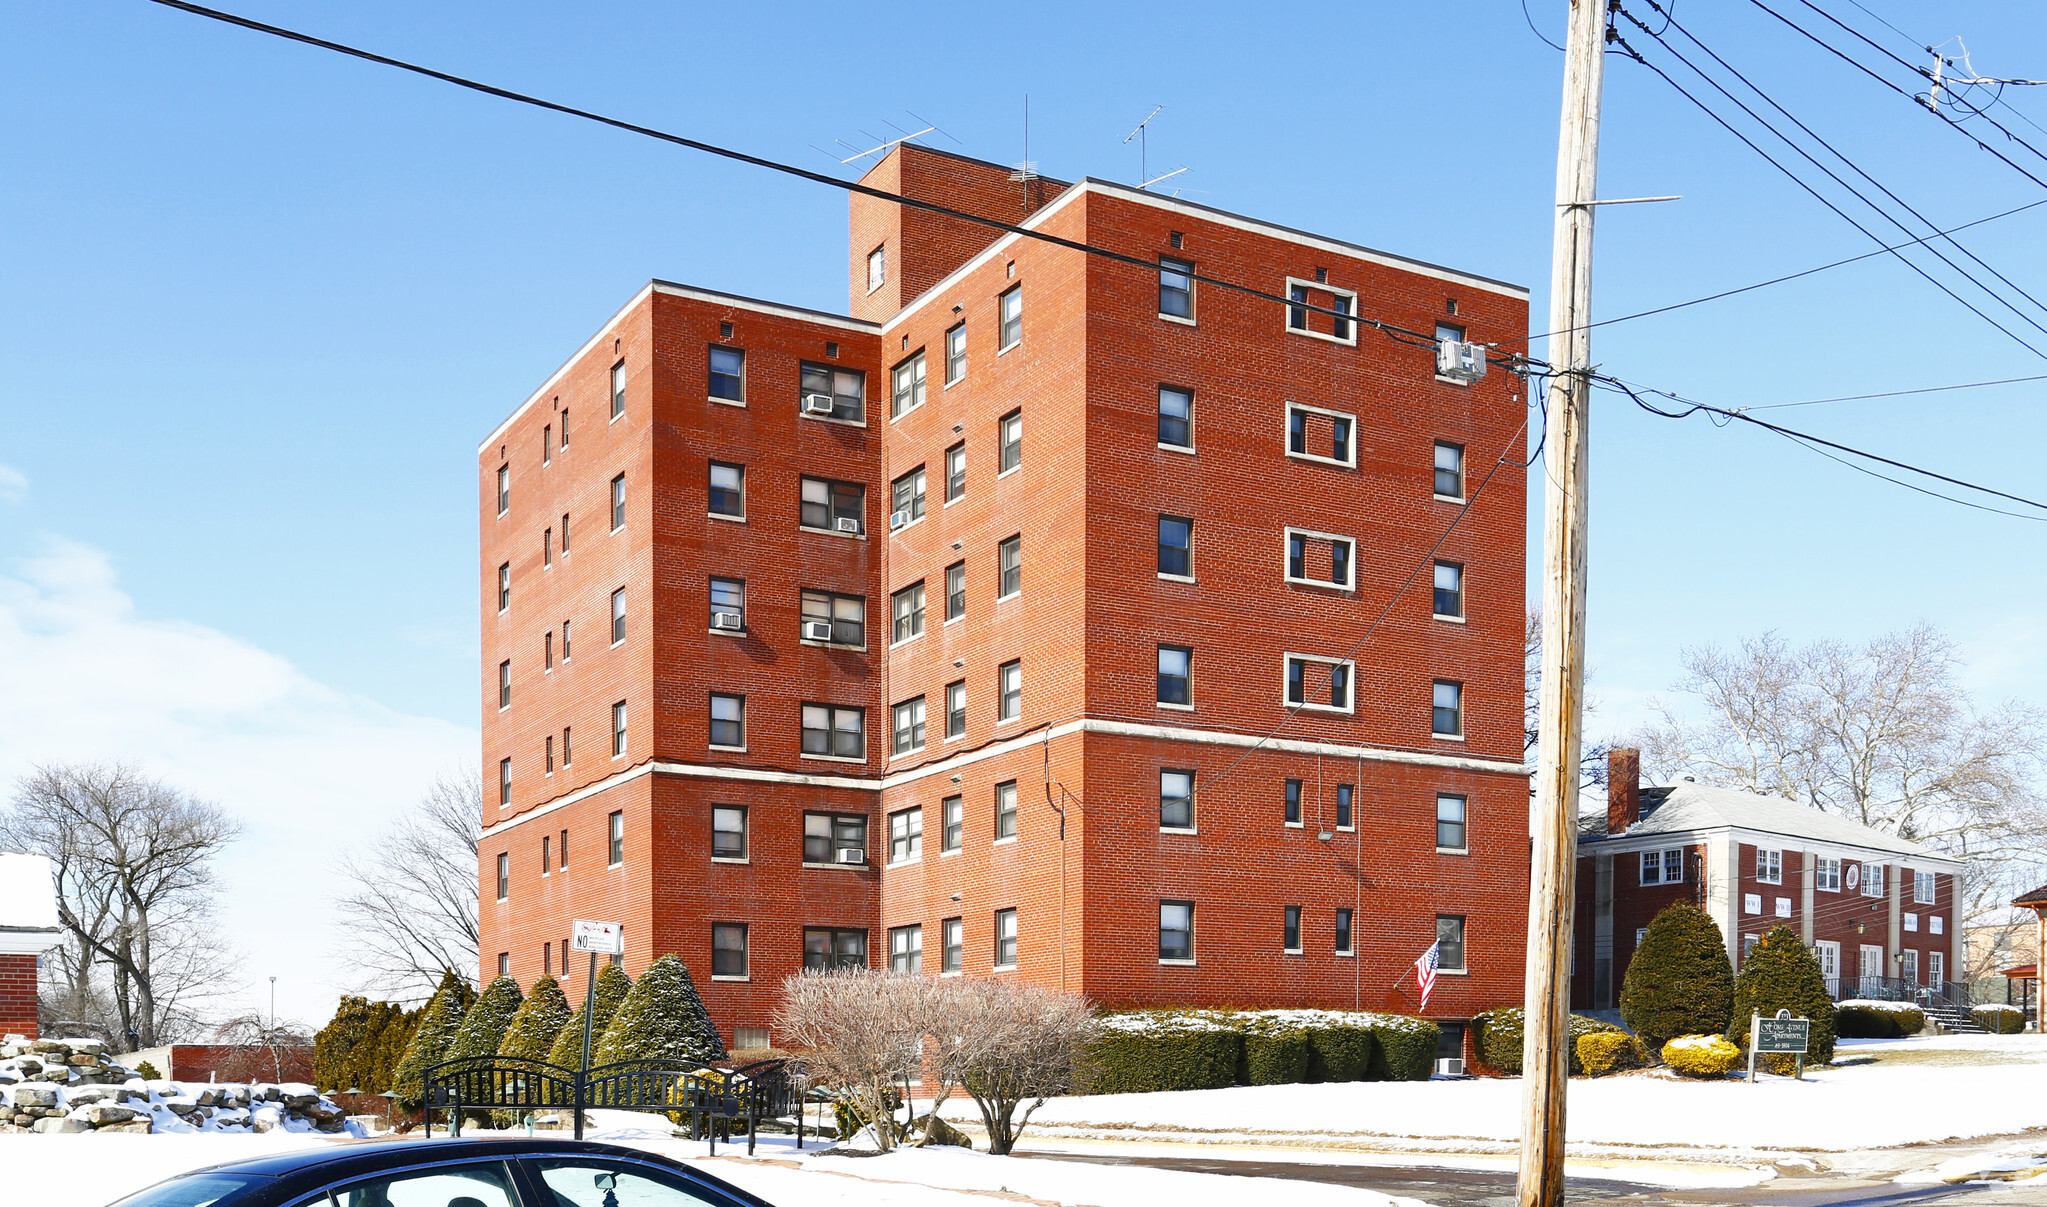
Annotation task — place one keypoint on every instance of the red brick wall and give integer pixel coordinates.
(18, 995)
(923, 247)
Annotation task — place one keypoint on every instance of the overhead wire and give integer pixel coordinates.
(1966, 385)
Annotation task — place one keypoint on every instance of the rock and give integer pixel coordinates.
(139, 1127)
(56, 1073)
(87, 1095)
(99, 1114)
(942, 1133)
(33, 1095)
(48, 1045)
(63, 1125)
(87, 1061)
(28, 1066)
(182, 1106)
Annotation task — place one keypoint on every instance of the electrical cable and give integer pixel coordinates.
(1967, 385)
(1525, 16)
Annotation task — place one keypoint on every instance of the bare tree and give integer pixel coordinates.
(264, 1050)
(134, 869)
(410, 913)
(1007, 1043)
(863, 1031)
(1882, 733)
(1592, 755)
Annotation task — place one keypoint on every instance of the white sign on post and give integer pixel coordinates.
(604, 938)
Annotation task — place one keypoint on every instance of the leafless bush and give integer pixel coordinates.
(1007, 1043)
(263, 1051)
(864, 1034)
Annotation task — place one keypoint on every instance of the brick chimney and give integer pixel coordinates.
(1623, 789)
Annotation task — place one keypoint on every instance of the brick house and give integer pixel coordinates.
(2030, 973)
(1877, 910)
(1010, 625)
(28, 928)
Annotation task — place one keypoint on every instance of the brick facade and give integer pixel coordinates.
(1090, 862)
(18, 995)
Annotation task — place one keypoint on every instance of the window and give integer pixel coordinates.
(1293, 802)
(547, 854)
(618, 729)
(952, 820)
(1449, 470)
(833, 732)
(906, 949)
(1290, 929)
(1012, 318)
(1009, 561)
(1872, 880)
(565, 533)
(1936, 968)
(1752, 903)
(1449, 333)
(728, 375)
(1908, 967)
(956, 709)
(728, 493)
(955, 353)
(728, 721)
(1784, 907)
(832, 948)
(828, 393)
(618, 389)
(1449, 590)
(956, 471)
(1009, 691)
(546, 547)
(547, 444)
(952, 944)
(565, 430)
(1176, 931)
(827, 835)
(905, 835)
(1176, 289)
(1769, 866)
(1315, 434)
(728, 950)
(909, 725)
(1005, 810)
(618, 616)
(834, 506)
(504, 685)
(504, 875)
(955, 590)
(1826, 875)
(728, 831)
(1450, 943)
(1446, 716)
(1176, 800)
(504, 782)
(1176, 547)
(565, 644)
(504, 489)
(504, 963)
(1663, 867)
(906, 499)
(504, 588)
(1343, 947)
(1922, 888)
(1320, 559)
(728, 598)
(1911, 921)
(1346, 799)
(618, 503)
(1450, 826)
(562, 848)
(616, 830)
(1175, 675)
(1005, 938)
(906, 610)
(1176, 417)
(1318, 684)
(844, 618)
(908, 382)
(877, 268)
(1011, 453)
(1937, 924)
(1310, 299)
(566, 760)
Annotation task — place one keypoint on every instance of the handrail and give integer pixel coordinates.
(765, 1089)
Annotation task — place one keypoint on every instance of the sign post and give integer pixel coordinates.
(1782, 1036)
(607, 938)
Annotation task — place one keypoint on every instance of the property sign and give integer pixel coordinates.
(604, 938)
(1786, 1035)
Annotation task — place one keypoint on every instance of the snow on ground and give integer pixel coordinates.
(87, 1170)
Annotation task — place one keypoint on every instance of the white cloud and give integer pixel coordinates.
(13, 484)
(309, 770)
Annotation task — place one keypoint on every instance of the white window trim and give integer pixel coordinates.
(1286, 435)
(719, 515)
(1453, 850)
(1176, 707)
(1310, 332)
(1188, 449)
(1179, 830)
(801, 414)
(1307, 705)
(1174, 318)
(715, 977)
(830, 758)
(1003, 842)
(1184, 578)
(1179, 963)
(730, 859)
(1287, 538)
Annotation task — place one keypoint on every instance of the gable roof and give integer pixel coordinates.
(1687, 807)
(2037, 897)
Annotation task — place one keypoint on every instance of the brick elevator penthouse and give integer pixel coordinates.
(961, 634)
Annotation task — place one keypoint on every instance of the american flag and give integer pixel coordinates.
(1425, 970)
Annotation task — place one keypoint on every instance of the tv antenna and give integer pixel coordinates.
(1026, 171)
(882, 146)
(1143, 136)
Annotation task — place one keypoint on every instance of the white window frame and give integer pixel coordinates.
(908, 717)
(1911, 922)
(1463, 472)
(877, 267)
(1874, 882)
(955, 362)
(1333, 538)
(1307, 703)
(917, 371)
(1002, 319)
(1286, 435)
(1926, 881)
(912, 835)
(1769, 870)
(1463, 604)
(745, 835)
(1184, 268)
(1015, 937)
(1309, 331)
(1662, 855)
(1826, 874)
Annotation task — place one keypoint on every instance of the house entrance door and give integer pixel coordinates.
(1872, 969)
(1829, 955)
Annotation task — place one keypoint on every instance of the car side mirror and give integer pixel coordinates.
(607, 1181)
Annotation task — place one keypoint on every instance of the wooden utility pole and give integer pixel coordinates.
(1545, 1062)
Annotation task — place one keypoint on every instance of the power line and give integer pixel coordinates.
(1967, 385)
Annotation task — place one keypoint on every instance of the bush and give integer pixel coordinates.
(608, 994)
(487, 1019)
(147, 1072)
(1781, 973)
(1705, 1056)
(662, 1018)
(430, 1038)
(1405, 1048)
(1340, 1052)
(1274, 1054)
(1149, 1051)
(1497, 1036)
(1999, 1019)
(1877, 1020)
(1679, 981)
(538, 1023)
(1601, 1052)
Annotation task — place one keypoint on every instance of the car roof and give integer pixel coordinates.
(337, 1161)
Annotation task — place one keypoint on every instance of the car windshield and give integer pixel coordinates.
(202, 1190)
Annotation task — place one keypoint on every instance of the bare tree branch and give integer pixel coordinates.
(410, 912)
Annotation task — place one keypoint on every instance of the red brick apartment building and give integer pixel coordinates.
(1010, 626)
(1878, 910)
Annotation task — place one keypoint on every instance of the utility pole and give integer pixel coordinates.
(1553, 855)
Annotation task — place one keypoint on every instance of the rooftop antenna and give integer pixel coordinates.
(1026, 171)
(1143, 138)
(887, 146)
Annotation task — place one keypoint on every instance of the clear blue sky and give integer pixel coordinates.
(263, 302)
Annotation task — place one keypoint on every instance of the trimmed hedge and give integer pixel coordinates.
(1708, 1056)
(1274, 1055)
(1999, 1019)
(1340, 1052)
(1604, 1052)
(1147, 1051)
(1877, 1020)
(1781, 973)
(1497, 1035)
(1679, 981)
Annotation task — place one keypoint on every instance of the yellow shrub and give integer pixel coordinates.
(1701, 1055)
(1602, 1052)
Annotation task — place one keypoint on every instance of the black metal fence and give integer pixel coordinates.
(768, 1089)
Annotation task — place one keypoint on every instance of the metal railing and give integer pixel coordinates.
(1946, 994)
(767, 1089)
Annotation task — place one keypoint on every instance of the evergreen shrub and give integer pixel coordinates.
(662, 1018)
(1781, 973)
(1877, 1020)
(1999, 1019)
(1598, 1053)
(537, 1024)
(1405, 1049)
(611, 989)
(1274, 1054)
(147, 1072)
(1679, 981)
(1497, 1036)
(1340, 1052)
(1703, 1056)
(334, 1047)
(1153, 1050)
(485, 1022)
(429, 1041)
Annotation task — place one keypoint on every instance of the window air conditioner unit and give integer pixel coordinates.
(848, 524)
(727, 620)
(1461, 361)
(817, 404)
(897, 519)
(1450, 1066)
(852, 855)
(817, 630)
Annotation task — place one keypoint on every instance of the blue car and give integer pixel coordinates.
(450, 1173)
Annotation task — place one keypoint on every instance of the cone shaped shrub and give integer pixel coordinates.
(1781, 973)
(661, 1019)
(335, 1047)
(538, 1023)
(430, 1039)
(1679, 982)
(610, 993)
(486, 1021)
